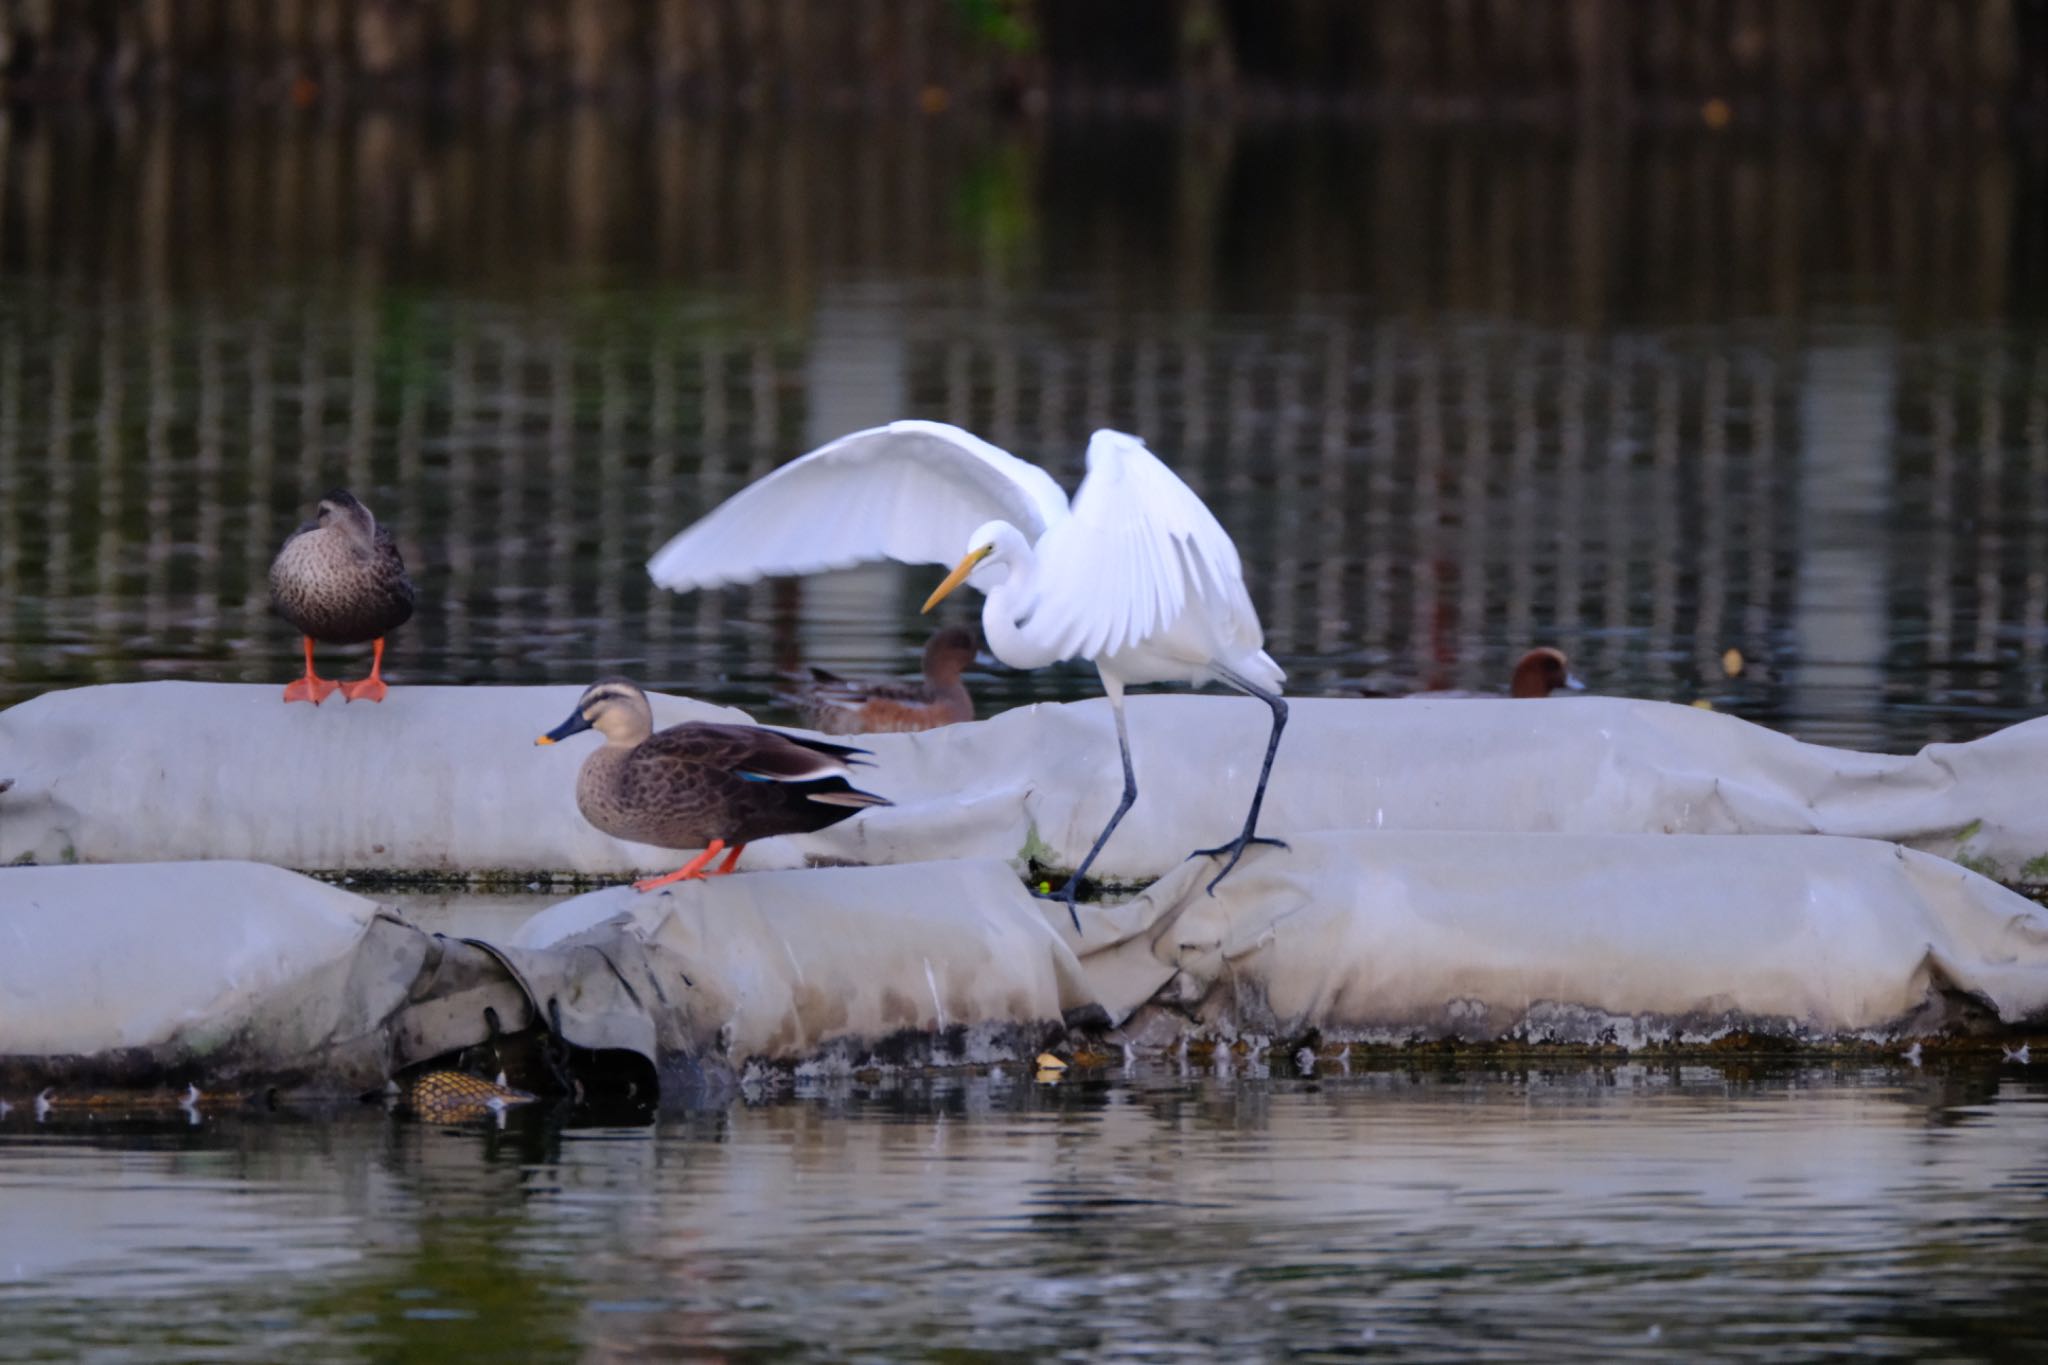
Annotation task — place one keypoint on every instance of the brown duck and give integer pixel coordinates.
(1538, 673)
(1542, 671)
(340, 581)
(701, 785)
(853, 706)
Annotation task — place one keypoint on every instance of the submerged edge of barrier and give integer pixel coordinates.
(692, 995)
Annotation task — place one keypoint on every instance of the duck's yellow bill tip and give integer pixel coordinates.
(957, 577)
(543, 740)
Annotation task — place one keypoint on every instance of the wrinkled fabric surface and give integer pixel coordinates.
(787, 965)
(227, 972)
(222, 971)
(1629, 939)
(444, 779)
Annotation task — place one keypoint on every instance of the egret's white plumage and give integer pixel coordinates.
(910, 491)
(1136, 575)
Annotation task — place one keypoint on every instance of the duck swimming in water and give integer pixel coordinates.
(1538, 673)
(339, 579)
(854, 706)
(701, 785)
(1541, 672)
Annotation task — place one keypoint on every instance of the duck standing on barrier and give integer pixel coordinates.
(857, 706)
(339, 579)
(1136, 575)
(701, 785)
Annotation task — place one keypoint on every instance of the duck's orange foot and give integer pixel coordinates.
(693, 870)
(683, 874)
(309, 688)
(369, 689)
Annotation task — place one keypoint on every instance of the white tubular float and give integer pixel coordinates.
(446, 780)
(209, 972)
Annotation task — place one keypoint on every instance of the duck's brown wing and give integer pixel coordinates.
(391, 573)
(868, 706)
(833, 690)
(740, 782)
(749, 752)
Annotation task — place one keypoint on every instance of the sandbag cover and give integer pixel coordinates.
(232, 972)
(446, 779)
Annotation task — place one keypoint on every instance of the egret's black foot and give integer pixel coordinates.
(1235, 848)
(1065, 896)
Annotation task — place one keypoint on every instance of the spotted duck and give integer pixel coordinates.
(340, 581)
(700, 785)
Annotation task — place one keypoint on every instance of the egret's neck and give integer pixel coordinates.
(1011, 601)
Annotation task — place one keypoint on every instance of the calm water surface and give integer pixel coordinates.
(1880, 1212)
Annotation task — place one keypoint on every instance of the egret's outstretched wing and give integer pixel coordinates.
(911, 491)
(1139, 551)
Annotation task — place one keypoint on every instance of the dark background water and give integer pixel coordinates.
(1647, 395)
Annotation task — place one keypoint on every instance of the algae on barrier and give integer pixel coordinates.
(368, 881)
(1983, 866)
(1041, 874)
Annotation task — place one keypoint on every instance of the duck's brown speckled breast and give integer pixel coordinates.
(680, 812)
(324, 585)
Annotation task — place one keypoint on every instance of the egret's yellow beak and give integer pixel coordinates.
(543, 740)
(958, 576)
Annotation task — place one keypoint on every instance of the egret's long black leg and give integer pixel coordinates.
(1236, 847)
(1123, 743)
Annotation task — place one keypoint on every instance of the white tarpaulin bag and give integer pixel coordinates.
(198, 971)
(226, 973)
(1626, 939)
(446, 779)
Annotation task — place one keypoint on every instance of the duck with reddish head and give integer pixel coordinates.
(864, 706)
(1539, 673)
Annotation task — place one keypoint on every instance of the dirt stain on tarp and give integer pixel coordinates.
(820, 1012)
(899, 1010)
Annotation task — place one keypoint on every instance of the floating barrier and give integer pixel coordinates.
(229, 975)
(445, 781)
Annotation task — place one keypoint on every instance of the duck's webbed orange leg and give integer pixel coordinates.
(371, 688)
(312, 687)
(691, 871)
(725, 868)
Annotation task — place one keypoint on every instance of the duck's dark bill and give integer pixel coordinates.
(575, 725)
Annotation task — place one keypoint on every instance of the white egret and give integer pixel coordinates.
(1136, 575)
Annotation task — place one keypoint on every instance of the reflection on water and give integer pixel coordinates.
(1454, 392)
(1585, 1213)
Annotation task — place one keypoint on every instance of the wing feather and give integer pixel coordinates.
(1139, 553)
(910, 491)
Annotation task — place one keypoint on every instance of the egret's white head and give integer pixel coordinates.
(995, 548)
